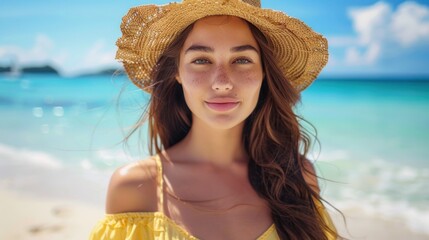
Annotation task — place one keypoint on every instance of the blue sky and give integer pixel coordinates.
(366, 37)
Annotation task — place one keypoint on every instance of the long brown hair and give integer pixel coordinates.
(272, 135)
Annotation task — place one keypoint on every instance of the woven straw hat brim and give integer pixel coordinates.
(147, 31)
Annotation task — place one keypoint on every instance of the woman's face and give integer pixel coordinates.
(220, 71)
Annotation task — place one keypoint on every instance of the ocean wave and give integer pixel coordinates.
(12, 155)
(107, 159)
(417, 220)
(391, 190)
(333, 155)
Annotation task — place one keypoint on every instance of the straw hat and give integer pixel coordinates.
(147, 31)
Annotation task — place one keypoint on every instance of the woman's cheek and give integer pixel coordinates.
(195, 80)
(251, 78)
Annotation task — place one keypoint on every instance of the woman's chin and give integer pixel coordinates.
(223, 122)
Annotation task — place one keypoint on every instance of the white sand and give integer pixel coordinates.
(30, 217)
(45, 202)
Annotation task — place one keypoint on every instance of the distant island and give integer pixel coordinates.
(39, 69)
(5, 69)
(48, 69)
(103, 72)
(45, 69)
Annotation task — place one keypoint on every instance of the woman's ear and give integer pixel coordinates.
(178, 79)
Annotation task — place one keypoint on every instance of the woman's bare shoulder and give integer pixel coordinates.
(133, 188)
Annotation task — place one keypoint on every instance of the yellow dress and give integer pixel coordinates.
(158, 226)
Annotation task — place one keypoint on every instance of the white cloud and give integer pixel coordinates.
(379, 28)
(99, 55)
(369, 23)
(44, 52)
(41, 53)
(369, 56)
(342, 41)
(43, 46)
(410, 24)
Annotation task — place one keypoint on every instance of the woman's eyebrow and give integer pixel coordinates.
(201, 48)
(244, 48)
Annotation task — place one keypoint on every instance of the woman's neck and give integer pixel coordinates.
(219, 147)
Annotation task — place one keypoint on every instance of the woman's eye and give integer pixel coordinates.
(242, 61)
(201, 61)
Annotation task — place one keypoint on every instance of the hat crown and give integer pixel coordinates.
(256, 3)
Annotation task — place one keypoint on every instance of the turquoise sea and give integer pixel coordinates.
(374, 135)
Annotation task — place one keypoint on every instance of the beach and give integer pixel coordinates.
(58, 150)
(33, 217)
(73, 109)
(47, 201)
(50, 203)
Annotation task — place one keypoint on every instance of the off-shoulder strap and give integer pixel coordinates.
(160, 183)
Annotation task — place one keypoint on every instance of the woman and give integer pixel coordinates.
(229, 154)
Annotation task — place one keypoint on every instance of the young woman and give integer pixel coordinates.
(229, 153)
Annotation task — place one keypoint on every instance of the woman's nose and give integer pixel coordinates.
(222, 80)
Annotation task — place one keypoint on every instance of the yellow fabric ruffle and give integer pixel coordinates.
(157, 226)
(148, 225)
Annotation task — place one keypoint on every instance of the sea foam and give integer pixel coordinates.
(22, 155)
(377, 187)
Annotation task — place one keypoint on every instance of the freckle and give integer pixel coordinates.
(249, 78)
(196, 81)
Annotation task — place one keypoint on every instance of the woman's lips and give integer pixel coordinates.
(222, 105)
